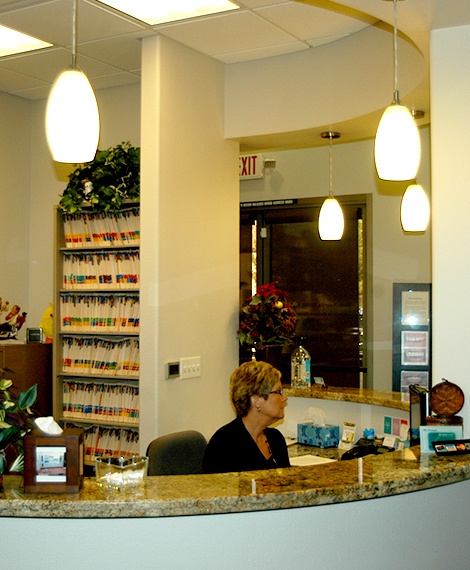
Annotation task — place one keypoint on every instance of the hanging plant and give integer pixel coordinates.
(103, 184)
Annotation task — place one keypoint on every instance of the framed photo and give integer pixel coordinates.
(53, 463)
(414, 348)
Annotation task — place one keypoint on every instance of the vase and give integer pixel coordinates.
(271, 354)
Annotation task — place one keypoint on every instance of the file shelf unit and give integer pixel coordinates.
(96, 328)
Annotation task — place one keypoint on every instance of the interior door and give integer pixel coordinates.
(324, 282)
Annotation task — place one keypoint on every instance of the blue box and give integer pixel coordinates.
(318, 436)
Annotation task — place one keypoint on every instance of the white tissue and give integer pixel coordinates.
(316, 415)
(48, 425)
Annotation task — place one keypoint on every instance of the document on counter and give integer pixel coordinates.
(302, 460)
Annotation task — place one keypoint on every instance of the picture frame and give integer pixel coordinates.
(53, 463)
(34, 335)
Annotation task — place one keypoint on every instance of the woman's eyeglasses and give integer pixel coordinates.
(280, 392)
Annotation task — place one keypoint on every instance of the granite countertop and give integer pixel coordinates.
(359, 395)
(337, 482)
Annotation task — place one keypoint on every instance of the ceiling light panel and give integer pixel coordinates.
(154, 13)
(13, 42)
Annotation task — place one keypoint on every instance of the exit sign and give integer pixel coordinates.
(250, 166)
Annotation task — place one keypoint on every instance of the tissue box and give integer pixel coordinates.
(318, 436)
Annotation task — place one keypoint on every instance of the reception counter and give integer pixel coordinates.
(402, 508)
(394, 400)
(338, 482)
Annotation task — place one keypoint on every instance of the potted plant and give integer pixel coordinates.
(267, 319)
(16, 419)
(103, 184)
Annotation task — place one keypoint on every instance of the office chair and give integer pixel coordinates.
(178, 453)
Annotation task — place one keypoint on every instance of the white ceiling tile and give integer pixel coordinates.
(123, 52)
(12, 81)
(228, 33)
(115, 80)
(307, 22)
(251, 4)
(261, 53)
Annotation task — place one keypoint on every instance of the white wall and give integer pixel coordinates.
(397, 257)
(190, 219)
(15, 157)
(450, 85)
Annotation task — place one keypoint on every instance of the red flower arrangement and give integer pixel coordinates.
(267, 318)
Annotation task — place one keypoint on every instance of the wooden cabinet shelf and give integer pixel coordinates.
(30, 364)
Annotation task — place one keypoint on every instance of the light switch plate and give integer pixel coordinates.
(190, 367)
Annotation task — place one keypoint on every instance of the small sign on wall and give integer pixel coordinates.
(412, 352)
(250, 166)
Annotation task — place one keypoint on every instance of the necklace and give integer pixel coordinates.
(271, 456)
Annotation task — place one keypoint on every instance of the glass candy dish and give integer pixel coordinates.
(121, 474)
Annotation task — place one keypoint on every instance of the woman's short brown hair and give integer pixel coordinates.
(249, 379)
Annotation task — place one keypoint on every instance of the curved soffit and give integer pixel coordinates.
(345, 85)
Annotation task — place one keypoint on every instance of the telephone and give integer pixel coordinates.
(361, 449)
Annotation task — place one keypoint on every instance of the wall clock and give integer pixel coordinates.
(446, 399)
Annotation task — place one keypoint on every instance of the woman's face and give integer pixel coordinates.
(274, 405)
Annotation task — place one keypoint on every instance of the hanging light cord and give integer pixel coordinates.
(331, 166)
(74, 36)
(396, 96)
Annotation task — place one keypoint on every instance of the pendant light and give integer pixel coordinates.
(331, 219)
(397, 142)
(415, 209)
(72, 116)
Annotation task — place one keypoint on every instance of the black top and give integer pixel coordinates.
(232, 448)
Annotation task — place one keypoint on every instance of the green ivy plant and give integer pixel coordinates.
(104, 183)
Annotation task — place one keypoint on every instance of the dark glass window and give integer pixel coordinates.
(324, 281)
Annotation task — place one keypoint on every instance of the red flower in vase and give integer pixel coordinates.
(267, 318)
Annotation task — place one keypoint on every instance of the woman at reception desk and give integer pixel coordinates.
(248, 443)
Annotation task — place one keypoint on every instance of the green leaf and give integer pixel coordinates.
(27, 398)
(18, 464)
(9, 435)
(5, 384)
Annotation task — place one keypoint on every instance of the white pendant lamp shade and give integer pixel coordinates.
(331, 220)
(397, 145)
(397, 142)
(415, 209)
(72, 118)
